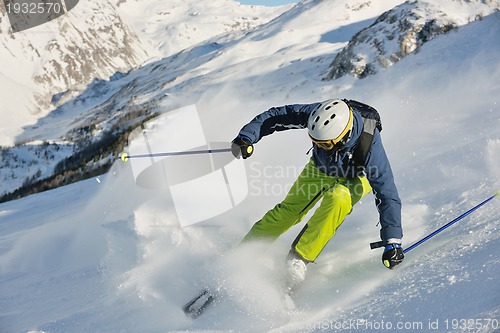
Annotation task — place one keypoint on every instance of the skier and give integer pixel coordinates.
(348, 162)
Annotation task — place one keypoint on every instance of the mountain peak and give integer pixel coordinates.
(402, 31)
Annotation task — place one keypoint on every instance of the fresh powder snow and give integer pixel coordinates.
(105, 255)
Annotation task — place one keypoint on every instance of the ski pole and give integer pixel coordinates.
(408, 249)
(411, 247)
(125, 157)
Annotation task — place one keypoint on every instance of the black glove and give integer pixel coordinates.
(393, 255)
(242, 146)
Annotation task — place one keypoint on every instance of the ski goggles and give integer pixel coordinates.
(327, 145)
(330, 144)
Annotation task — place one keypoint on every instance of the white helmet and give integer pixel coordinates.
(330, 121)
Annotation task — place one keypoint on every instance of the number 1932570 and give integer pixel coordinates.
(471, 324)
(34, 8)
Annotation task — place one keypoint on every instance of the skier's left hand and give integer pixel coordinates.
(393, 255)
(242, 146)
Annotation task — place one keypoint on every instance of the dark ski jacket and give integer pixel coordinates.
(339, 163)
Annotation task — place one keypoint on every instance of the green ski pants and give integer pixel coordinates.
(339, 196)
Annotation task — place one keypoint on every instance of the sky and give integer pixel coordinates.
(267, 2)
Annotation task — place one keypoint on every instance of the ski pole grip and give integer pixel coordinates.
(376, 245)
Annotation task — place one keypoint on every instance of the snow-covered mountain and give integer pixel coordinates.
(91, 41)
(173, 26)
(104, 255)
(56, 61)
(95, 40)
(91, 127)
(87, 128)
(402, 31)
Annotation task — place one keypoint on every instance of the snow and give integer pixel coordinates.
(104, 255)
(96, 39)
(177, 25)
(205, 73)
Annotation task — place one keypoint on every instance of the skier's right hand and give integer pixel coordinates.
(393, 255)
(242, 146)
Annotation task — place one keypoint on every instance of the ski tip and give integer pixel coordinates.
(124, 157)
(498, 194)
(194, 308)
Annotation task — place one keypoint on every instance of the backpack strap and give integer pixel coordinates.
(365, 141)
(371, 121)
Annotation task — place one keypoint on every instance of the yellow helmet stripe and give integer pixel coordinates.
(347, 129)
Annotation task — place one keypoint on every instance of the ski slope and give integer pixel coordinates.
(104, 255)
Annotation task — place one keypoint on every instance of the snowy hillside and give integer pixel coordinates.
(95, 122)
(104, 255)
(91, 41)
(178, 24)
(92, 44)
(94, 41)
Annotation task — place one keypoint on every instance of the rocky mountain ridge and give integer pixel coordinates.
(401, 32)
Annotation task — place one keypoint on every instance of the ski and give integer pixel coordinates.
(197, 305)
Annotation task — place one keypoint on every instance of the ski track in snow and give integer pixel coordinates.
(108, 256)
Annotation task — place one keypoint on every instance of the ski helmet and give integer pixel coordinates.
(330, 121)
